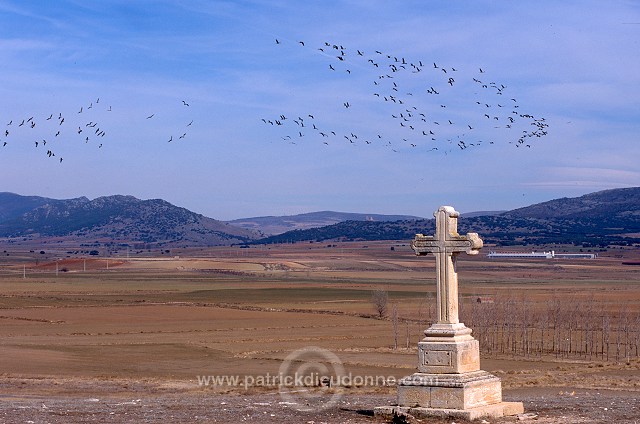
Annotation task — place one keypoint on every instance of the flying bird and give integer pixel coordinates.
(388, 87)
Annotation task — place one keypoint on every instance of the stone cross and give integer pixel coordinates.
(446, 245)
(449, 381)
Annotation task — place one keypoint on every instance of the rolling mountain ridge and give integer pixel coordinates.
(273, 225)
(620, 202)
(596, 219)
(116, 219)
(13, 205)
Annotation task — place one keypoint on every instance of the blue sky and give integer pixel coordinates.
(120, 73)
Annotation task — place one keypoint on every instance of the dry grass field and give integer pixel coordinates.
(132, 336)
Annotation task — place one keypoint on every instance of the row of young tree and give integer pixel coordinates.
(563, 326)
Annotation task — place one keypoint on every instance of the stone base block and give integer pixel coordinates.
(440, 357)
(453, 391)
(495, 410)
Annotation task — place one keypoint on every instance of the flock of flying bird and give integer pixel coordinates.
(419, 105)
(429, 112)
(49, 133)
(183, 131)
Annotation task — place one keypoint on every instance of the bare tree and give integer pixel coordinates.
(606, 335)
(380, 300)
(636, 337)
(394, 323)
(589, 325)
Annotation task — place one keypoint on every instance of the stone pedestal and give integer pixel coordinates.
(449, 382)
(448, 349)
(449, 391)
(495, 410)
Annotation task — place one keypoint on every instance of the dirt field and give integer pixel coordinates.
(142, 338)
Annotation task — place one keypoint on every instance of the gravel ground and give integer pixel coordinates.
(54, 401)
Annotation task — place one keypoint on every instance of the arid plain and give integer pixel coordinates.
(130, 337)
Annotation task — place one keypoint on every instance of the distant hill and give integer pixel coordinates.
(114, 219)
(13, 205)
(607, 204)
(596, 219)
(273, 225)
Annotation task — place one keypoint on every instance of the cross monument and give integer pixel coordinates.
(449, 381)
(446, 245)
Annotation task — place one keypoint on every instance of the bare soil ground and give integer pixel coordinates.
(130, 339)
(82, 400)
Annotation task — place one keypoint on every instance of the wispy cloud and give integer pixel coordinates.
(575, 65)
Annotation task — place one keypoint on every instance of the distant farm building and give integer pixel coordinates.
(543, 255)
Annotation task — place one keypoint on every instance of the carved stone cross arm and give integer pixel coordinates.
(447, 239)
(470, 244)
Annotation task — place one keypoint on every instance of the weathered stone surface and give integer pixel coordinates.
(446, 245)
(448, 357)
(488, 411)
(414, 396)
(528, 416)
(454, 391)
(487, 393)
